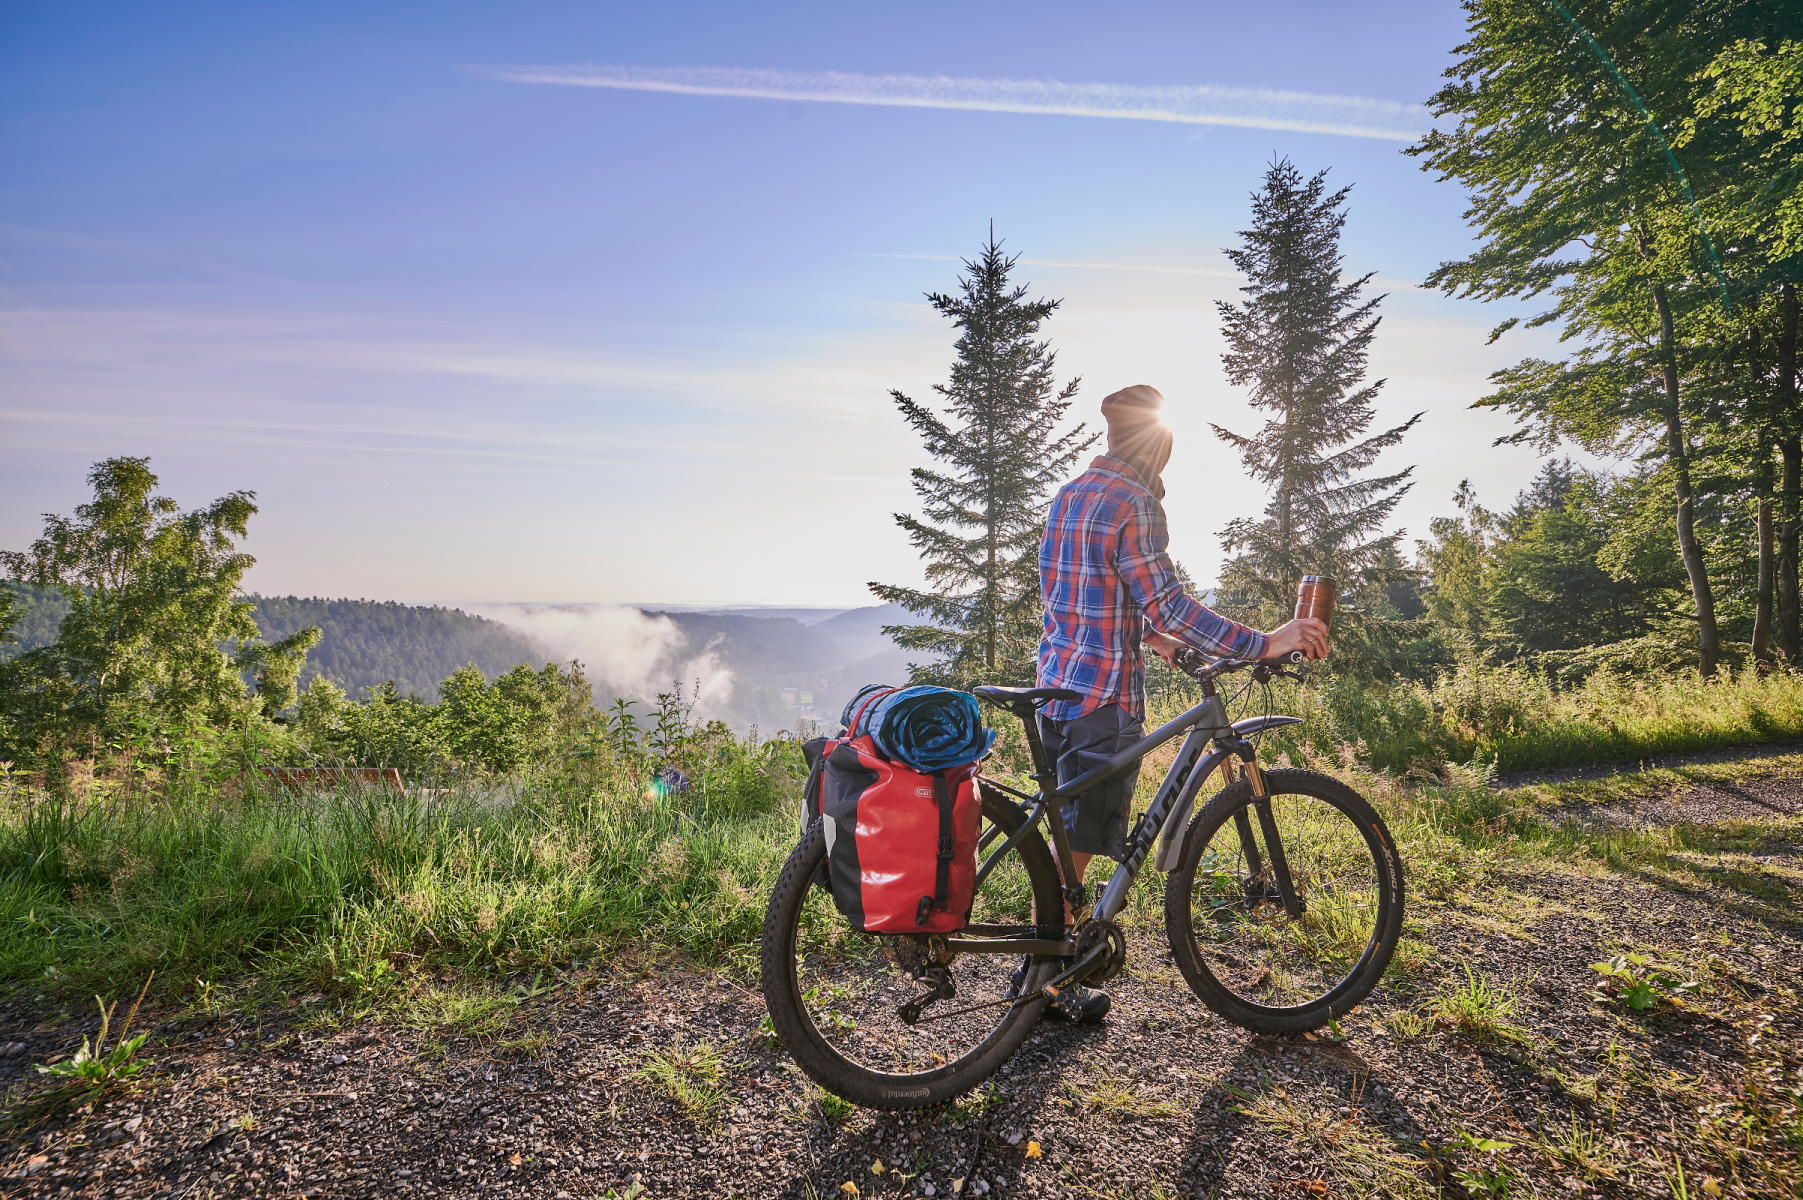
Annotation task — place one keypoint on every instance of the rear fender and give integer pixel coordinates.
(1170, 839)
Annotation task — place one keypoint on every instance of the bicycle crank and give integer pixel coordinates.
(1075, 973)
(1101, 933)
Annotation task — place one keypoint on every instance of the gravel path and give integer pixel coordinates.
(1752, 754)
(1771, 789)
(1163, 1100)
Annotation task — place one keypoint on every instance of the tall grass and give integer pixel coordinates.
(354, 889)
(1517, 720)
(577, 860)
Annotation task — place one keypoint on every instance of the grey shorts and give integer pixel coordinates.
(1097, 819)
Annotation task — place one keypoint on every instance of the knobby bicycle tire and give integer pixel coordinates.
(827, 1054)
(1231, 933)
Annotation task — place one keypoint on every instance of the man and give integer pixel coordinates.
(1105, 577)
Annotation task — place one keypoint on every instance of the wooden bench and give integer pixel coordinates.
(331, 779)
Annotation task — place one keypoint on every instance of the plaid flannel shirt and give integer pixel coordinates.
(1104, 574)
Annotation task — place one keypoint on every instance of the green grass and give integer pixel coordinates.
(1363, 1160)
(357, 893)
(1113, 1100)
(689, 1075)
(1515, 720)
(1477, 1010)
(231, 895)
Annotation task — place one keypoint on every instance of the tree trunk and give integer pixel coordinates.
(1708, 637)
(1788, 640)
(1787, 622)
(995, 615)
(1762, 606)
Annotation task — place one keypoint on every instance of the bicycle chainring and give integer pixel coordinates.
(1093, 933)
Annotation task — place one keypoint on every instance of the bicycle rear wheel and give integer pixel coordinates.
(836, 996)
(1244, 950)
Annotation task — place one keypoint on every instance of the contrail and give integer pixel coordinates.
(1255, 108)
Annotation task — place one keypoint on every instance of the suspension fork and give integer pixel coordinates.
(1267, 824)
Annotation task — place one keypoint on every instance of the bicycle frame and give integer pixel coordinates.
(1163, 821)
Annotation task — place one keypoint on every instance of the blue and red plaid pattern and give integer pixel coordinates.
(1104, 574)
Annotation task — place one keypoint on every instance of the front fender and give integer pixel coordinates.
(1256, 725)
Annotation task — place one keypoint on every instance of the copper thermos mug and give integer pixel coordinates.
(1315, 598)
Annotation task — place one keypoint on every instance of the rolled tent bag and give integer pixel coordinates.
(897, 795)
(928, 728)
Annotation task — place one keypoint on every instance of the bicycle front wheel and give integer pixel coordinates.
(839, 999)
(1282, 920)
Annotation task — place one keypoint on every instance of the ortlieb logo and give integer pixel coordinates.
(925, 793)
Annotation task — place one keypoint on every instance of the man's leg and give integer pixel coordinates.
(1080, 861)
(1096, 822)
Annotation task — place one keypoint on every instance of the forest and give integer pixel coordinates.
(362, 644)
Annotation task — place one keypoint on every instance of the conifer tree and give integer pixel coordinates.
(1299, 343)
(983, 508)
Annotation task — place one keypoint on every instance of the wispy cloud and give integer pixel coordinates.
(1256, 108)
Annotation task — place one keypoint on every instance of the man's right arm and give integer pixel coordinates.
(1178, 620)
(1146, 569)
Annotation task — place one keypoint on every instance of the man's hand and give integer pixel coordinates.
(1163, 645)
(1308, 635)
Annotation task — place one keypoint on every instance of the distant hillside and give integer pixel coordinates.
(783, 671)
(860, 630)
(368, 642)
(42, 610)
(365, 642)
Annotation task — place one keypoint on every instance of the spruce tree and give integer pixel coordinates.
(1298, 343)
(983, 508)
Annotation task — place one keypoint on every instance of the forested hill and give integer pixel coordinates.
(779, 669)
(368, 642)
(39, 612)
(365, 643)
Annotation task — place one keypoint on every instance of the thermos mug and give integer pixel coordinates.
(1315, 598)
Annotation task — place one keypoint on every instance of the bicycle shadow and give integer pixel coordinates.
(1267, 1092)
(1249, 1124)
(1255, 1121)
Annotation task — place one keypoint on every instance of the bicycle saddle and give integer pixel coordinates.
(1012, 697)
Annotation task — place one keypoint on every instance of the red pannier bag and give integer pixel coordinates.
(901, 844)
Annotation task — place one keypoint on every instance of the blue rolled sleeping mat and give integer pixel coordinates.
(928, 728)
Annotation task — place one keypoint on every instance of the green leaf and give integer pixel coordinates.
(1488, 1145)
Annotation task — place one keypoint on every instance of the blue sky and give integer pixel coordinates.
(474, 336)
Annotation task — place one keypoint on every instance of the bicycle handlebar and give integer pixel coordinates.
(1197, 665)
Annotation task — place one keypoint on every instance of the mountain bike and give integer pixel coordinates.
(1282, 906)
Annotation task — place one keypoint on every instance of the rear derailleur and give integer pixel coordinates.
(927, 959)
